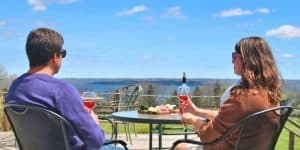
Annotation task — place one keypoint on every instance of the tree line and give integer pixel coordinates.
(206, 96)
(5, 78)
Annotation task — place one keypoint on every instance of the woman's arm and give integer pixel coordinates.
(190, 107)
(208, 114)
(188, 118)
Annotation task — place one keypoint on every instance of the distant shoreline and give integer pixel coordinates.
(108, 84)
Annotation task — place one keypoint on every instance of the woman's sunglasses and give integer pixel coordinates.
(236, 55)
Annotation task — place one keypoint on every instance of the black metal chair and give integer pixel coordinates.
(36, 128)
(123, 99)
(259, 130)
(286, 102)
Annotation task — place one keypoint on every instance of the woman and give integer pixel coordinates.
(259, 89)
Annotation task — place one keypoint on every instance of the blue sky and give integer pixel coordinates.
(154, 38)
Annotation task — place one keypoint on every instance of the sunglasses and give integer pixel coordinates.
(63, 53)
(236, 55)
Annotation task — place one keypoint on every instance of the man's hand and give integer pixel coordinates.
(93, 114)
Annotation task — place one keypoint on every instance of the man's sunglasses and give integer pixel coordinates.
(63, 53)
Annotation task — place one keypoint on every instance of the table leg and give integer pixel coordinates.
(159, 136)
(150, 136)
(116, 130)
(185, 135)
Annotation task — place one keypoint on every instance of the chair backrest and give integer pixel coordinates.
(286, 102)
(130, 96)
(36, 128)
(261, 130)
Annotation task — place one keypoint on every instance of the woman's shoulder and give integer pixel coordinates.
(255, 98)
(248, 92)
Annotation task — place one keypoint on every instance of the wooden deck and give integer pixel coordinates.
(7, 141)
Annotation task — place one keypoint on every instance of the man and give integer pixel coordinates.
(37, 86)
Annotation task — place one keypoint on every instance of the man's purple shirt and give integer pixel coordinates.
(45, 91)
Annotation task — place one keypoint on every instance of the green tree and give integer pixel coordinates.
(218, 90)
(197, 100)
(173, 99)
(5, 78)
(150, 99)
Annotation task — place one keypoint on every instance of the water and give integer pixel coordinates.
(163, 86)
(160, 86)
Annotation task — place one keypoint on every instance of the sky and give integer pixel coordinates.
(153, 38)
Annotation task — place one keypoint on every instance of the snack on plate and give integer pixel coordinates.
(161, 109)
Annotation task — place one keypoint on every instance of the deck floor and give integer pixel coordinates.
(140, 142)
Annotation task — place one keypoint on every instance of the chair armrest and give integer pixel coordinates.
(107, 119)
(113, 126)
(185, 141)
(124, 144)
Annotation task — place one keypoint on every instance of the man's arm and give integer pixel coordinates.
(71, 107)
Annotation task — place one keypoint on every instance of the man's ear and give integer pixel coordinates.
(55, 58)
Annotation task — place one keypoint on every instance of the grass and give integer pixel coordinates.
(283, 141)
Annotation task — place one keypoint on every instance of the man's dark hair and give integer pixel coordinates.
(41, 45)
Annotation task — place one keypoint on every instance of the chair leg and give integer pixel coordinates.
(133, 124)
(129, 135)
(185, 135)
(125, 129)
(116, 131)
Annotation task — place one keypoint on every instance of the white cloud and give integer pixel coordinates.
(149, 19)
(263, 10)
(286, 55)
(174, 12)
(241, 12)
(235, 12)
(133, 10)
(171, 39)
(42, 5)
(285, 32)
(10, 35)
(147, 56)
(41, 23)
(3, 22)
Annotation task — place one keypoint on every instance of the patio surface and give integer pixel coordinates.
(7, 141)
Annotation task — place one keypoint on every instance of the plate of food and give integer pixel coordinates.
(159, 110)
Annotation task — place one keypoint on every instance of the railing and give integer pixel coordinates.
(292, 133)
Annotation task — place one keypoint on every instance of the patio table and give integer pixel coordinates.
(134, 116)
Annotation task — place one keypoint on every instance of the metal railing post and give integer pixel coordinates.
(291, 141)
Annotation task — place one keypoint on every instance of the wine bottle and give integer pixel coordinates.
(183, 91)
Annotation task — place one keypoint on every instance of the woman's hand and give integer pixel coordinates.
(186, 105)
(187, 118)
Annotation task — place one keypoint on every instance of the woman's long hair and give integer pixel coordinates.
(259, 69)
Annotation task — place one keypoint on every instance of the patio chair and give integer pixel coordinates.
(124, 99)
(127, 101)
(259, 130)
(286, 102)
(36, 128)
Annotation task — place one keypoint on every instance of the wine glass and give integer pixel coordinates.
(89, 104)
